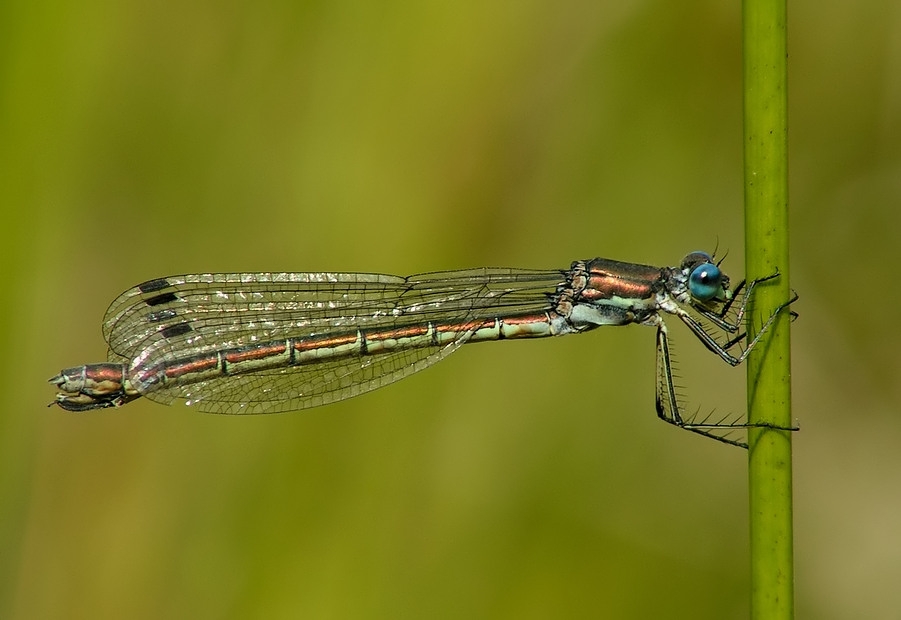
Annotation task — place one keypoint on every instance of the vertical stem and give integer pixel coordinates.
(769, 366)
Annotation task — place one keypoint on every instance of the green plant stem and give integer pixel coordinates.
(766, 246)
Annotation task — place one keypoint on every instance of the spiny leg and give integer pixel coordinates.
(718, 318)
(669, 409)
(723, 350)
(667, 400)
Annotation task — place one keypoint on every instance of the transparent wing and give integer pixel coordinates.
(195, 315)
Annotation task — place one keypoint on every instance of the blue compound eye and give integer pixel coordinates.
(705, 282)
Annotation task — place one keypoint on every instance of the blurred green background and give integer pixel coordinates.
(514, 480)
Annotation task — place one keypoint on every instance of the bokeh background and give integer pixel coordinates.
(513, 480)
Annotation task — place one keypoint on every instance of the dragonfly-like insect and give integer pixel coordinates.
(252, 343)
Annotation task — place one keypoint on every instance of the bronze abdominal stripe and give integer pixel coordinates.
(294, 352)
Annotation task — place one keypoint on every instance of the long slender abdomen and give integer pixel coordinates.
(96, 386)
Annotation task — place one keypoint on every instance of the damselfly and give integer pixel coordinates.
(248, 343)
